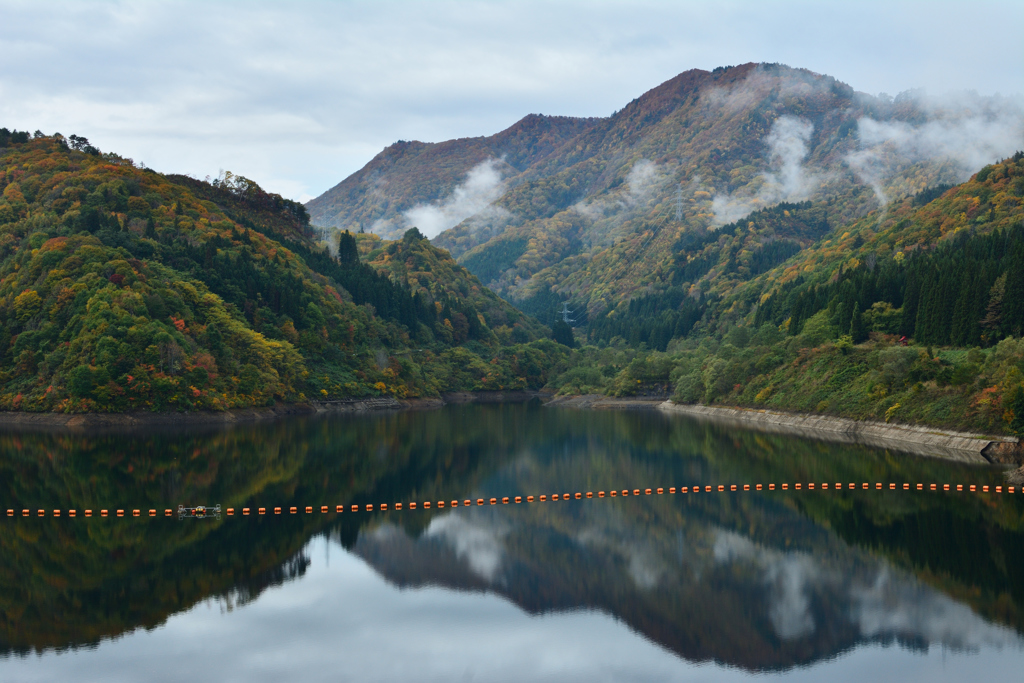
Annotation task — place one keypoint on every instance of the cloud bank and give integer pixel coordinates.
(474, 197)
(790, 182)
(967, 132)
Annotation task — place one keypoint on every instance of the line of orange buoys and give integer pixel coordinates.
(214, 511)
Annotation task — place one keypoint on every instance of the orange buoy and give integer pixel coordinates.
(412, 506)
(529, 499)
(398, 506)
(732, 487)
(578, 495)
(625, 492)
(672, 489)
(1009, 490)
(339, 508)
(277, 511)
(56, 513)
(231, 511)
(120, 513)
(519, 499)
(999, 489)
(686, 489)
(973, 488)
(245, 511)
(647, 492)
(758, 487)
(945, 487)
(88, 513)
(167, 512)
(504, 501)
(42, 513)
(455, 503)
(135, 513)
(721, 488)
(707, 489)
(355, 508)
(746, 487)
(795, 486)
(565, 496)
(878, 486)
(152, 513)
(771, 487)
(920, 487)
(369, 507)
(636, 492)
(263, 511)
(600, 494)
(103, 513)
(906, 486)
(494, 501)
(309, 509)
(383, 507)
(959, 487)
(10, 512)
(613, 493)
(932, 487)
(426, 505)
(324, 509)
(892, 487)
(543, 498)
(480, 501)
(661, 491)
(865, 486)
(440, 503)
(467, 503)
(71, 513)
(590, 494)
(984, 488)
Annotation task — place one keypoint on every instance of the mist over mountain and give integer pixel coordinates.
(594, 211)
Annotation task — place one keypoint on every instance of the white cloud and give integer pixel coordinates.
(967, 132)
(474, 197)
(787, 144)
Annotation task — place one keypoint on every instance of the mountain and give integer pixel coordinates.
(123, 289)
(611, 212)
(407, 174)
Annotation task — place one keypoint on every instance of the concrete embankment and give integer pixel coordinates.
(600, 402)
(928, 441)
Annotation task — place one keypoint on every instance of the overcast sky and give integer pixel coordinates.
(298, 95)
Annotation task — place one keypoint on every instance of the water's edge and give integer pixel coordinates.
(967, 447)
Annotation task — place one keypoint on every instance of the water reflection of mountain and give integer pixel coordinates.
(777, 565)
(701, 590)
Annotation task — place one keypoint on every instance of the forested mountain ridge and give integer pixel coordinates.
(122, 289)
(617, 210)
(410, 173)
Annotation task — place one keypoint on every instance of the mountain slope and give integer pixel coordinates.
(407, 174)
(122, 289)
(612, 213)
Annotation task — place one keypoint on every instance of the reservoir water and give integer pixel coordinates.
(710, 586)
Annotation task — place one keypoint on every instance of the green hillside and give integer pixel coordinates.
(122, 289)
(914, 315)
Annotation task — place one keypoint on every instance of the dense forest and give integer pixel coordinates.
(123, 289)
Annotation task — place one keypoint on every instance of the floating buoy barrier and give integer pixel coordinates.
(214, 511)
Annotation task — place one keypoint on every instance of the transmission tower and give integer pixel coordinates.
(565, 314)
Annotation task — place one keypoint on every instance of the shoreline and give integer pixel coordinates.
(105, 422)
(966, 447)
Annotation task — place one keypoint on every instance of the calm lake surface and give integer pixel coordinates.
(795, 585)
